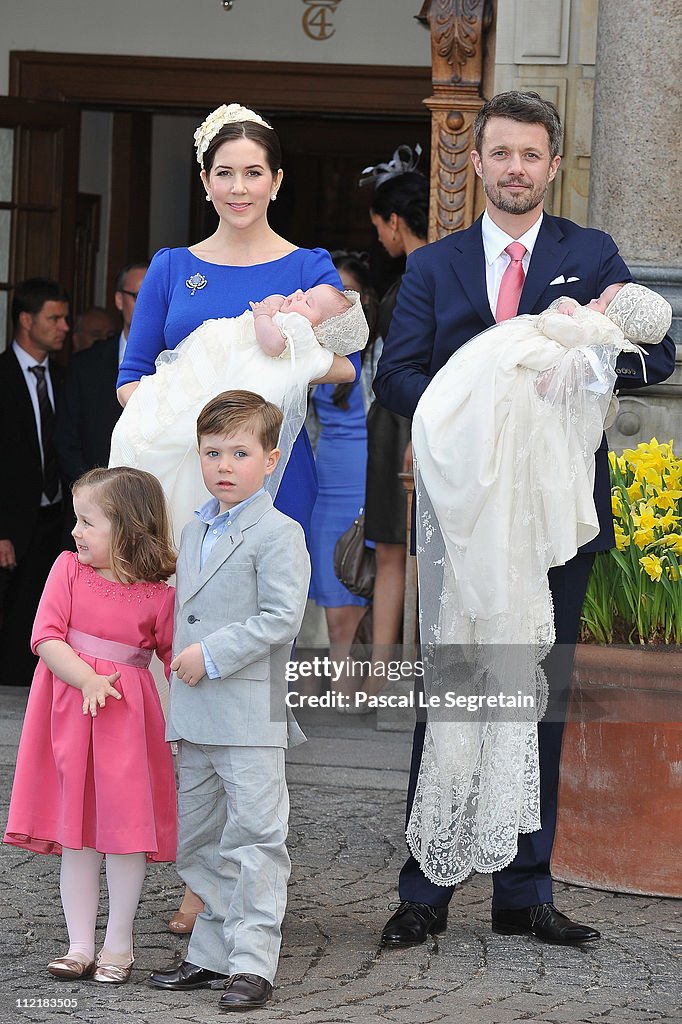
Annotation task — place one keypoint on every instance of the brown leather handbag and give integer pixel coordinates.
(354, 562)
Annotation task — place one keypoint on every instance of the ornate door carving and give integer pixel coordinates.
(458, 29)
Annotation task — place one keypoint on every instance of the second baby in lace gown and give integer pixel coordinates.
(276, 349)
(504, 442)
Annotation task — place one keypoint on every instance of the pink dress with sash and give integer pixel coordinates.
(107, 782)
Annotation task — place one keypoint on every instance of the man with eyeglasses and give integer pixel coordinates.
(89, 408)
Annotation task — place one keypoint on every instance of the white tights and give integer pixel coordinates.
(79, 887)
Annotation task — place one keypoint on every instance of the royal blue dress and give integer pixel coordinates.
(341, 458)
(180, 291)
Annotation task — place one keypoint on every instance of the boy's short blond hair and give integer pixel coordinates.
(231, 411)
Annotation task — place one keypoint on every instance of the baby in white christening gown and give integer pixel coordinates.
(504, 442)
(276, 349)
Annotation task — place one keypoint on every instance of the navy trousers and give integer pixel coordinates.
(527, 880)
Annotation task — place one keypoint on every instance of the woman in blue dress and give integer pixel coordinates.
(341, 458)
(243, 260)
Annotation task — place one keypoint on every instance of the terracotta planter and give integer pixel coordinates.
(620, 795)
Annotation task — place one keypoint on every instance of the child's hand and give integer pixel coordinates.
(96, 690)
(269, 305)
(568, 308)
(189, 665)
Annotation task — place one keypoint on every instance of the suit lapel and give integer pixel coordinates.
(226, 546)
(549, 254)
(469, 266)
(23, 407)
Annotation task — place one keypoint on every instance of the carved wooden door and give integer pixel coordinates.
(38, 187)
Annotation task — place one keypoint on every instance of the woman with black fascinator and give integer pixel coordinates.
(399, 211)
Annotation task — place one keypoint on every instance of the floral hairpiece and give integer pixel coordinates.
(231, 113)
(404, 159)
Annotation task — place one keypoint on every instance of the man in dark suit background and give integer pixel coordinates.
(31, 494)
(89, 408)
(448, 296)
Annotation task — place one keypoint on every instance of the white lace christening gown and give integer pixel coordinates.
(504, 440)
(157, 429)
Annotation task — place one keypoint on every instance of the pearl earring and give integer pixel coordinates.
(208, 197)
(273, 197)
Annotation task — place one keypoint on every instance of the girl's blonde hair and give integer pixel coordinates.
(135, 505)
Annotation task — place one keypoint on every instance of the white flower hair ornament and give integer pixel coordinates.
(231, 113)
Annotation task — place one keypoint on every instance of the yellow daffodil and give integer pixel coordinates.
(622, 538)
(674, 541)
(667, 521)
(652, 566)
(667, 498)
(646, 519)
(643, 538)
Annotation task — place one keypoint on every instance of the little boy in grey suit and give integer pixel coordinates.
(242, 582)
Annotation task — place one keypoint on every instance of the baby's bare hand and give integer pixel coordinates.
(96, 691)
(270, 305)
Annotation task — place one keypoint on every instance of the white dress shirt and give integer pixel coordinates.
(495, 241)
(26, 362)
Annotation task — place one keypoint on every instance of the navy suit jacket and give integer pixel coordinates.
(443, 303)
(89, 409)
(22, 469)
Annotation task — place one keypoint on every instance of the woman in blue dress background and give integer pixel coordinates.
(243, 260)
(341, 458)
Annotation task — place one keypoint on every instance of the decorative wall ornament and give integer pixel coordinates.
(458, 29)
(317, 18)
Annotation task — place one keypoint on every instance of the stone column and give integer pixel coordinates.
(636, 152)
(635, 178)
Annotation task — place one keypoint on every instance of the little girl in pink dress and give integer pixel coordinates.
(94, 774)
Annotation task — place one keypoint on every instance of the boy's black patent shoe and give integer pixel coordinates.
(245, 992)
(412, 923)
(185, 977)
(545, 922)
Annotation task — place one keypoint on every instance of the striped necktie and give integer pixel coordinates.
(50, 470)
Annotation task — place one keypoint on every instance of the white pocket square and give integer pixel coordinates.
(563, 280)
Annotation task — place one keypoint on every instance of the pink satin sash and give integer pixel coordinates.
(108, 650)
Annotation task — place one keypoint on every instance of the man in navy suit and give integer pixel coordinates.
(448, 295)
(31, 492)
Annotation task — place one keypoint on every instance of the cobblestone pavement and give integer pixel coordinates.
(347, 787)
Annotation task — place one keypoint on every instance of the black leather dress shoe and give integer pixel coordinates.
(245, 992)
(545, 922)
(412, 923)
(185, 977)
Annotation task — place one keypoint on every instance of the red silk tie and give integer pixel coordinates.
(511, 284)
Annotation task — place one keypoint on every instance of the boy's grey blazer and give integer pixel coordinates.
(246, 604)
